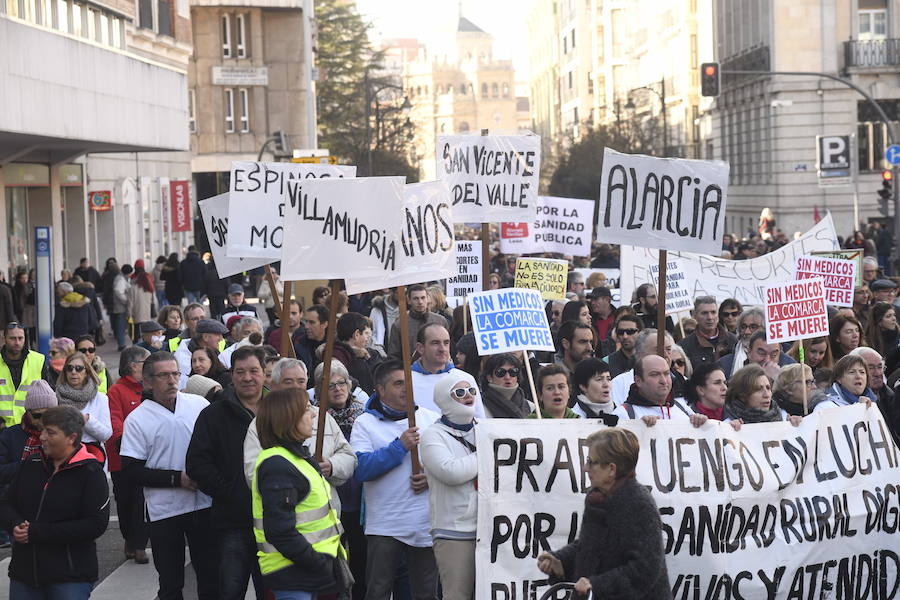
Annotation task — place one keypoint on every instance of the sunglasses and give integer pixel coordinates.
(513, 372)
(630, 331)
(730, 314)
(679, 362)
(87, 350)
(74, 368)
(36, 415)
(752, 327)
(461, 393)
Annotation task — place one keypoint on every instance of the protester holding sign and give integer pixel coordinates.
(553, 394)
(502, 395)
(849, 384)
(650, 398)
(619, 551)
(448, 455)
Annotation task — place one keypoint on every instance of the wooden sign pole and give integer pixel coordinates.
(403, 323)
(661, 305)
(322, 392)
(534, 394)
(287, 345)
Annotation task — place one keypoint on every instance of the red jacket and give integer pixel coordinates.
(124, 396)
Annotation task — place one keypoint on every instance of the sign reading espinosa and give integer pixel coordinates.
(240, 75)
(772, 511)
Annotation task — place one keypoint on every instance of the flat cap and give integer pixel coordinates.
(600, 292)
(151, 327)
(882, 284)
(211, 326)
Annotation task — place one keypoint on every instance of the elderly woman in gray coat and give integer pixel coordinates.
(619, 552)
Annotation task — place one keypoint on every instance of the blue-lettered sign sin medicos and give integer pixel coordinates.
(509, 320)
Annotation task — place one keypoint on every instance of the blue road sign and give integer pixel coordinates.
(893, 154)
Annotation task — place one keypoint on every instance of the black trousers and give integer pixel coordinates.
(168, 537)
(130, 505)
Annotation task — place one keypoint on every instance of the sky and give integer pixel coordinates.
(420, 19)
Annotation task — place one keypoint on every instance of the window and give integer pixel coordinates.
(245, 110)
(76, 19)
(145, 14)
(104, 29)
(484, 90)
(573, 39)
(241, 24)
(91, 28)
(192, 115)
(165, 18)
(565, 45)
(226, 37)
(571, 83)
(590, 84)
(229, 110)
(495, 90)
(873, 24)
(506, 90)
(117, 32)
(462, 89)
(62, 15)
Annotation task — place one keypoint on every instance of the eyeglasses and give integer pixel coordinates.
(336, 384)
(591, 462)
(36, 415)
(462, 392)
(730, 314)
(512, 372)
(749, 326)
(74, 368)
(167, 375)
(679, 362)
(630, 331)
(87, 350)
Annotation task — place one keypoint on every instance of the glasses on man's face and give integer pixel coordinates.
(336, 384)
(87, 350)
(630, 331)
(74, 368)
(461, 393)
(167, 375)
(512, 372)
(749, 326)
(730, 314)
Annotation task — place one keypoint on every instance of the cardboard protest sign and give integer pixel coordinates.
(678, 296)
(215, 219)
(854, 255)
(839, 276)
(508, 320)
(351, 229)
(467, 279)
(261, 194)
(773, 511)
(744, 280)
(665, 203)
(796, 311)
(546, 275)
(426, 239)
(491, 178)
(562, 225)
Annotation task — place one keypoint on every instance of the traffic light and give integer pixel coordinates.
(709, 79)
(885, 193)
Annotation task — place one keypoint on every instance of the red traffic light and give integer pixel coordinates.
(710, 70)
(887, 175)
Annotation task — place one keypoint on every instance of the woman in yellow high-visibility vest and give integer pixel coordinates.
(297, 531)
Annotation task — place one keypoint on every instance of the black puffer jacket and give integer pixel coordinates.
(619, 548)
(192, 272)
(67, 510)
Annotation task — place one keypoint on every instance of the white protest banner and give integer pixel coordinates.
(426, 238)
(350, 228)
(854, 255)
(215, 219)
(744, 280)
(508, 320)
(608, 278)
(678, 296)
(562, 225)
(770, 512)
(467, 279)
(491, 178)
(546, 275)
(796, 311)
(839, 276)
(261, 195)
(664, 203)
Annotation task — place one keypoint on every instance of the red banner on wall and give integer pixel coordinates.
(180, 199)
(100, 200)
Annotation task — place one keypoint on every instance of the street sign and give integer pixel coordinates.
(316, 160)
(833, 160)
(44, 287)
(893, 154)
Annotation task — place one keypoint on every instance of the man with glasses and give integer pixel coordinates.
(710, 341)
(624, 333)
(154, 445)
(19, 368)
(215, 460)
(875, 371)
(575, 284)
(751, 320)
(869, 270)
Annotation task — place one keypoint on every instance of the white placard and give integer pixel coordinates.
(467, 278)
(678, 295)
(491, 178)
(839, 276)
(663, 203)
(796, 311)
(744, 280)
(508, 320)
(562, 225)
(425, 229)
(262, 194)
(215, 219)
(772, 509)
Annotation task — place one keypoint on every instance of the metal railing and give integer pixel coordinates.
(872, 53)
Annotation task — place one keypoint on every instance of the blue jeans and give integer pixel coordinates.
(193, 296)
(237, 563)
(117, 320)
(293, 595)
(56, 591)
(161, 298)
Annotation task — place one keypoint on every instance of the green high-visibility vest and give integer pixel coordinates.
(12, 400)
(317, 521)
(104, 384)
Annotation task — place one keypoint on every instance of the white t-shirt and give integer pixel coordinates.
(678, 411)
(423, 392)
(161, 438)
(392, 509)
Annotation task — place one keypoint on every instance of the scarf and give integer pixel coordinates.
(77, 398)
(593, 409)
(346, 416)
(851, 398)
(457, 426)
(711, 413)
(33, 441)
(504, 403)
(739, 410)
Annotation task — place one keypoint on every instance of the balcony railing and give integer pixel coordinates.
(872, 53)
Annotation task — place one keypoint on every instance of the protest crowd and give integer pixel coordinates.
(209, 432)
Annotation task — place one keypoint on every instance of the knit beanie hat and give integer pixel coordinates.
(200, 385)
(451, 408)
(40, 395)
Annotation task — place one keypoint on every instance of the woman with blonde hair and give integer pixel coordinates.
(816, 352)
(788, 391)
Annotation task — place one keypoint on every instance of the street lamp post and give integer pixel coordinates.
(661, 94)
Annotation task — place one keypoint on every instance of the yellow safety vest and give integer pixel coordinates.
(176, 341)
(104, 384)
(317, 521)
(12, 400)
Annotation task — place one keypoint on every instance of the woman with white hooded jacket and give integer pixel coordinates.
(448, 455)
